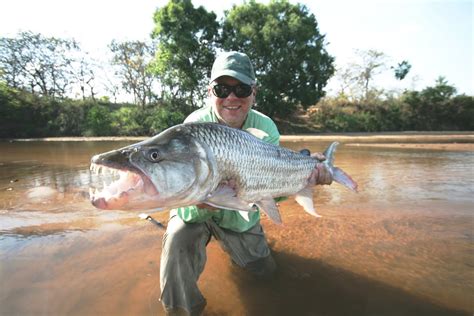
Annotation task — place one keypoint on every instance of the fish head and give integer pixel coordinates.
(169, 170)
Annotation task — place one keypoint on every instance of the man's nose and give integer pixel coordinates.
(232, 95)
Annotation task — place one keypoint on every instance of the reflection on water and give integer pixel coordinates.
(402, 245)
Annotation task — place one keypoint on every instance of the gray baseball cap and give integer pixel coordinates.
(233, 64)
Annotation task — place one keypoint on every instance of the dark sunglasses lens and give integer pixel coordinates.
(242, 90)
(221, 91)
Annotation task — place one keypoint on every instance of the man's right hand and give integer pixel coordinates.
(207, 207)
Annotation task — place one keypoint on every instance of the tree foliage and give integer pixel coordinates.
(39, 64)
(283, 41)
(185, 52)
(84, 77)
(402, 69)
(435, 108)
(370, 64)
(288, 52)
(438, 108)
(132, 60)
(356, 80)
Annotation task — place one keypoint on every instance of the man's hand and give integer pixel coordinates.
(207, 207)
(318, 156)
(324, 176)
(320, 174)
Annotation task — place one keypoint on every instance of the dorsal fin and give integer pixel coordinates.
(305, 152)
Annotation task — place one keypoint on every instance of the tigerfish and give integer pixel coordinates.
(194, 163)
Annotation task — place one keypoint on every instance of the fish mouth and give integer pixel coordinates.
(113, 188)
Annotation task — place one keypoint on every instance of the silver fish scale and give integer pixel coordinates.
(259, 169)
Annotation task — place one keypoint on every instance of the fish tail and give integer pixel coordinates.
(338, 175)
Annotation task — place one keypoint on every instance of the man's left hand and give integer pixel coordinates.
(320, 175)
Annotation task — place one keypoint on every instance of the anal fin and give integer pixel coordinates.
(269, 207)
(245, 215)
(305, 199)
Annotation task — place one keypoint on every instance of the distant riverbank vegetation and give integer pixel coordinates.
(24, 114)
(50, 87)
(436, 108)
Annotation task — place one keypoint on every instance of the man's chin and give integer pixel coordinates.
(234, 122)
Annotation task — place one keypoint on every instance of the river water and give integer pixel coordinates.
(403, 245)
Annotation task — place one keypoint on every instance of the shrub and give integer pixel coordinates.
(98, 121)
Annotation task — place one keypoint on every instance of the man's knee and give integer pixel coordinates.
(181, 235)
(263, 268)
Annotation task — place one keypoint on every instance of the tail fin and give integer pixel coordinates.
(338, 175)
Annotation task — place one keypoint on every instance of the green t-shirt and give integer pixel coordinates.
(224, 218)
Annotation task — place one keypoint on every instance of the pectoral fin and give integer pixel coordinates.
(305, 199)
(225, 197)
(269, 207)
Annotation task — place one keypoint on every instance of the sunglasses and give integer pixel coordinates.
(222, 91)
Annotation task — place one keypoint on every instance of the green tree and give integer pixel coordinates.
(69, 118)
(160, 118)
(185, 51)
(128, 121)
(98, 121)
(462, 113)
(402, 69)
(288, 51)
(432, 108)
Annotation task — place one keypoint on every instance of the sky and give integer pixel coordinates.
(434, 36)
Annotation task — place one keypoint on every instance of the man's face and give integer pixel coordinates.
(231, 110)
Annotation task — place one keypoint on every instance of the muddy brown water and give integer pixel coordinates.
(403, 245)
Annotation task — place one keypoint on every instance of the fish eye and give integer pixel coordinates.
(153, 155)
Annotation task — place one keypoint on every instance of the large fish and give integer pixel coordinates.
(196, 163)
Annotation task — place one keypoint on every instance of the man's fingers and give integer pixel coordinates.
(325, 177)
(320, 175)
(207, 207)
(318, 156)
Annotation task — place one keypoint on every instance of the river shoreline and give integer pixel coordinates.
(452, 141)
(395, 137)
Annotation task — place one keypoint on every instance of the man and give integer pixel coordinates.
(231, 93)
